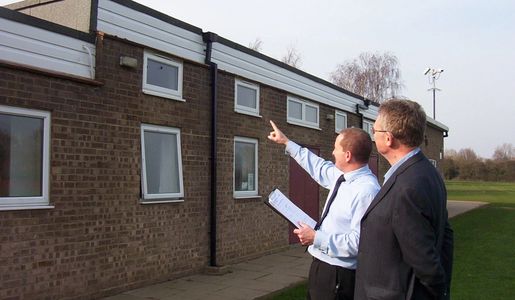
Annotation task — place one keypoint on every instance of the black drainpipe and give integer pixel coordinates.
(209, 38)
(367, 103)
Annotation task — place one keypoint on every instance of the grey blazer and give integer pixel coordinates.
(406, 242)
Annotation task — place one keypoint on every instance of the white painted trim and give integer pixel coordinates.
(43, 200)
(346, 120)
(303, 121)
(246, 194)
(246, 109)
(158, 90)
(151, 197)
(28, 207)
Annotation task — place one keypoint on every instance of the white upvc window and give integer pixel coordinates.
(246, 97)
(340, 121)
(433, 162)
(245, 167)
(367, 126)
(161, 179)
(162, 76)
(302, 113)
(24, 158)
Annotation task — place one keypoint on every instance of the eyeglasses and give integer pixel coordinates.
(375, 130)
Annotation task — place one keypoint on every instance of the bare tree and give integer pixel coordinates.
(375, 76)
(256, 45)
(467, 154)
(292, 57)
(504, 152)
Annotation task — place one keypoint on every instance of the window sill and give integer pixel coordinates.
(303, 124)
(163, 95)
(247, 197)
(249, 113)
(28, 207)
(145, 202)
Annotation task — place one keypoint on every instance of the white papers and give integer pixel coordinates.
(287, 209)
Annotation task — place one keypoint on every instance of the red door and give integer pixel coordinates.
(372, 164)
(303, 192)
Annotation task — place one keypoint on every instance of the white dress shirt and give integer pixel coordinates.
(336, 241)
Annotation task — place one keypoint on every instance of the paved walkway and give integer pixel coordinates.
(249, 280)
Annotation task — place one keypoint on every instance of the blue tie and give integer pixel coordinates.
(330, 201)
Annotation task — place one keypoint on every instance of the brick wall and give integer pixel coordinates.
(99, 239)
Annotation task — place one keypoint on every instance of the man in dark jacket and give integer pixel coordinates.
(406, 243)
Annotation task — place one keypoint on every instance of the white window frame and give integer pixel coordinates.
(342, 115)
(303, 121)
(245, 109)
(367, 126)
(158, 90)
(165, 197)
(246, 194)
(37, 202)
(433, 162)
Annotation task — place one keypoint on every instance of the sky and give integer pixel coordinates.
(472, 41)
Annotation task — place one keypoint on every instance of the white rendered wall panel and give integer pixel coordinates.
(124, 22)
(32, 46)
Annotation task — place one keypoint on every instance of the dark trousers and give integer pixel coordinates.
(327, 282)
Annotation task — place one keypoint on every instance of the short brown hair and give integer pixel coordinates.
(405, 120)
(358, 142)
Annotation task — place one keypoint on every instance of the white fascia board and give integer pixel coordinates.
(32, 46)
(251, 67)
(370, 113)
(124, 22)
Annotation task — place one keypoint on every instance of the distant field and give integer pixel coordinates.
(493, 192)
(484, 239)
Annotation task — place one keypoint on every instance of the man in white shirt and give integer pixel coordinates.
(333, 242)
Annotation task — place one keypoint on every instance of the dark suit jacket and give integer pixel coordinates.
(406, 243)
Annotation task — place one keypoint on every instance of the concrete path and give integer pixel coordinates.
(253, 279)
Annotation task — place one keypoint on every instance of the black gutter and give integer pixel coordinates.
(209, 38)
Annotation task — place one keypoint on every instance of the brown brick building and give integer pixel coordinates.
(134, 151)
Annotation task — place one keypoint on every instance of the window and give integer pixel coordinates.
(367, 126)
(340, 121)
(24, 158)
(245, 167)
(302, 113)
(246, 98)
(433, 162)
(162, 76)
(161, 163)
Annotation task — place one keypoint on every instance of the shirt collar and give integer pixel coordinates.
(354, 174)
(395, 166)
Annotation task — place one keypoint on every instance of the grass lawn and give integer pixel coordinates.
(484, 244)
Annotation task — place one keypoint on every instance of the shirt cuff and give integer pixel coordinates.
(321, 241)
(291, 148)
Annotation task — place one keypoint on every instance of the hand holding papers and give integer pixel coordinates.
(281, 204)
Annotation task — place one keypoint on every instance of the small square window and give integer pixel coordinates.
(245, 167)
(367, 126)
(340, 121)
(302, 113)
(246, 98)
(24, 158)
(161, 163)
(162, 76)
